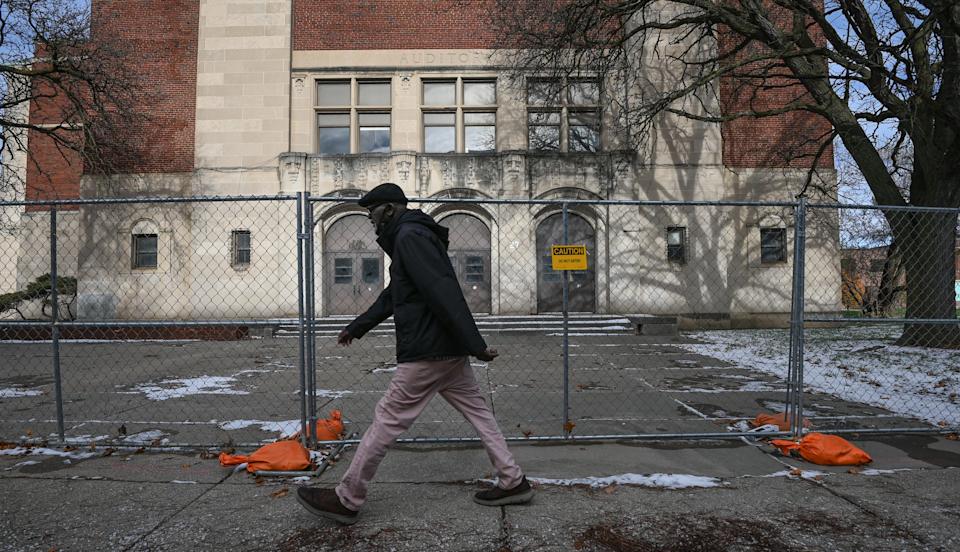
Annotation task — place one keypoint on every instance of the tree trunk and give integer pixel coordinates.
(928, 242)
(891, 281)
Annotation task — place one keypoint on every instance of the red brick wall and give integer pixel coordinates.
(157, 42)
(53, 168)
(787, 140)
(52, 172)
(391, 24)
(158, 39)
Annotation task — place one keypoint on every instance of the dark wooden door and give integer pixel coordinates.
(549, 282)
(470, 255)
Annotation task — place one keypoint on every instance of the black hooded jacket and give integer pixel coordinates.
(431, 315)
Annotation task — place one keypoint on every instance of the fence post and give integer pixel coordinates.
(311, 320)
(54, 322)
(794, 407)
(301, 319)
(566, 331)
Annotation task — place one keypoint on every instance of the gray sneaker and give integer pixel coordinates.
(521, 494)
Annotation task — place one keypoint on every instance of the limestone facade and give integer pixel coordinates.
(257, 133)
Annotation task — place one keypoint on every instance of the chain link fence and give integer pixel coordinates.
(214, 321)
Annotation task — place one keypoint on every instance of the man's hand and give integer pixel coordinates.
(344, 339)
(488, 355)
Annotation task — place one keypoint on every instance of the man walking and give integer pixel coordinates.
(436, 336)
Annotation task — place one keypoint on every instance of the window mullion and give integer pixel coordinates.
(564, 129)
(460, 146)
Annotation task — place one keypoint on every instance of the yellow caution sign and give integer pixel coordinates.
(569, 257)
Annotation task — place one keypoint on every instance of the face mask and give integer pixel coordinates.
(380, 218)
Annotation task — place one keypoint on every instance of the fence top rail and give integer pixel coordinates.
(908, 208)
(325, 199)
(474, 201)
(620, 202)
(146, 199)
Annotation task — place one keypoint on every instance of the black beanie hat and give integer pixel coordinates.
(388, 192)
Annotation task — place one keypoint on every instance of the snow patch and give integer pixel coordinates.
(874, 471)
(146, 437)
(178, 388)
(179, 482)
(798, 474)
(657, 480)
(42, 451)
(332, 394)
(284, 427)
(19, 391)
(859, 364)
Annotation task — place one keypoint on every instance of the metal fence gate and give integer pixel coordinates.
(212, 321)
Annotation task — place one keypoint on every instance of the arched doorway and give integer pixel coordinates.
(353, 266)
(550, 282)
(470, 255)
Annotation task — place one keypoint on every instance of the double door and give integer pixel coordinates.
(355, 279)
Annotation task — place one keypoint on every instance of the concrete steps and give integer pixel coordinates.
(581, 324)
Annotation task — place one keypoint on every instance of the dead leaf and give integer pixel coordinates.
(258, 481)
(108, 452)
(610, 489)
(185, 466)
(952, 437)
(818, 477)
(855, 470)
(568, 426)
(796, 472)
(280, 493)
(207, 455)
(29, 433)
(69, 448)
(140, 450)
(527, 433)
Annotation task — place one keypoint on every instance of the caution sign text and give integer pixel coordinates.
(569, 257)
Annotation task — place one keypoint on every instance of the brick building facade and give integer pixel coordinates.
(279, 96)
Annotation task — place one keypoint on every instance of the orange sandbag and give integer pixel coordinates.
(328, 429)
(826, 450)
(780, 420)
(279, 456)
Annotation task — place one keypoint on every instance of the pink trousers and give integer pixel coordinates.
(412, 387)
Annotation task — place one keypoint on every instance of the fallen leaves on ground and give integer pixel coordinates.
(280, 493)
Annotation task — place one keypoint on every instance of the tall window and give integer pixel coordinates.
(241, 248)
(773, 245)
(144, 251)
(677, 244)
(563, 115)
(353, 116)
(459, 115)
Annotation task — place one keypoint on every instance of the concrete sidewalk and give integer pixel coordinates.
(421, 501)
